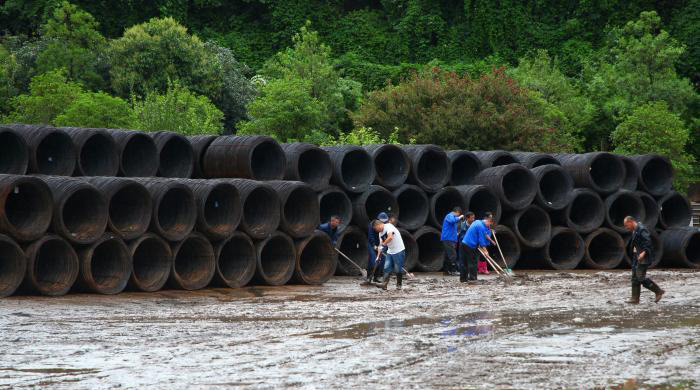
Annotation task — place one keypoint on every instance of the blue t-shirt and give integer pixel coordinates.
(476, 235)
(332, 233)
(449, 228)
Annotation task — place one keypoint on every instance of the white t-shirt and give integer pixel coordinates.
(396, 244)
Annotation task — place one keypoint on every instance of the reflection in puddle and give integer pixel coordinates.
(466, 325)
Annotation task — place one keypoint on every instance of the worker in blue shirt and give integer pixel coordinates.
(373, 241)
(468, 219)
(478, 236)
(450, 230)
(331, 228)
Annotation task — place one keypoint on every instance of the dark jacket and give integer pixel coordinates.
(372, 238)
(641, 241)
(332, 233)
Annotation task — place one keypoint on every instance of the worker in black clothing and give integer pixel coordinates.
(469, 217)
(373, 243)
(642, 255)
(331, 228)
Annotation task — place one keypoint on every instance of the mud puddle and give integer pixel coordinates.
(543, 330)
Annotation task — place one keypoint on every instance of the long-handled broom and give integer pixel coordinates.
(508, 270)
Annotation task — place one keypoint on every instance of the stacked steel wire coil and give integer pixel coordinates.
(100, 210)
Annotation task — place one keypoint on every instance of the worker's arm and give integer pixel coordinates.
(389, 238)
(485, 239)
(642, 256)
(490, 239)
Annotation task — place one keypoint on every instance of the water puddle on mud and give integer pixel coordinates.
(542, 323)
(465, 325)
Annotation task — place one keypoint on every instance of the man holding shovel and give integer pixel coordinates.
(478, 236)
(395, 254)
(375, 263)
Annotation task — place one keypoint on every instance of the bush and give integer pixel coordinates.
(310, 61)
(97, 110)
(178, 110)
(541, 73)
(490, 112)
(151, 54)
(8, 90)
(284, 110)
(49, 95)
(73, 43)
(652, 128)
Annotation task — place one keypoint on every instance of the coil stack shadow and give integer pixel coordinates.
(108, 210)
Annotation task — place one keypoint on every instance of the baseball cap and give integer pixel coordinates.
(383, 217)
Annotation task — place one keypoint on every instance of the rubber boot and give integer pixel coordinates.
(399, 279)
(636, 291)
(483, 268)
(383, 285)
(378, 275)
(657, 290)
(463, 277)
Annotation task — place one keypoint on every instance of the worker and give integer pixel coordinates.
(331, 228)
(395, 254)
(478, 236)
(374, 251)
(450, 230)
(463, 227)
(642, 255)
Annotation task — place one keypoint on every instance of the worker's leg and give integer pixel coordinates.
(388, 268)
(472, 263)
(463, 254)
(648, 283)
(399, 260)
(379, 271)
(450, 256)
(371, 259)
(636, 284)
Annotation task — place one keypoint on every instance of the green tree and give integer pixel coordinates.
(491, 112)
(286, 111)
(150, 54)
(96, 110)
(73, 43)
(362, 136)
(653, 128)
(8, 65)
(637, 66)
(310, 60)
(177, 110)
(49, 95)
(539, 72)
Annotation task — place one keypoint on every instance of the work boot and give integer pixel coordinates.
(462, 277)
(377, 276)
(399, 279)
(658, 291)
(383, 285)
(636, 291)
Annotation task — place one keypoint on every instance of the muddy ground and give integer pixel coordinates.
(544, 330)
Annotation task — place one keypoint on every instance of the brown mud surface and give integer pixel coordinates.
(543, 330)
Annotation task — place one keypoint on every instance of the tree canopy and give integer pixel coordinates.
(545, 75)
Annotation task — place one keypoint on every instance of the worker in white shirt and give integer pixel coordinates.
(395, 254)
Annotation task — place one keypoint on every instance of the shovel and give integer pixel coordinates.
(508, 270)
(362, 271)
(368, 282)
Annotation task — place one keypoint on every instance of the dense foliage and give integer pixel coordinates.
(490, 112)
(653, 128)
(477, 74)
